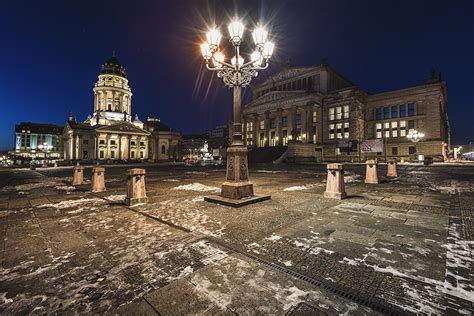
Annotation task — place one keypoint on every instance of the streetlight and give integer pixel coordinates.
(237, 74)
(45, 148)
(415, 137)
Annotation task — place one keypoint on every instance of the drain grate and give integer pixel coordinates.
(373, 303)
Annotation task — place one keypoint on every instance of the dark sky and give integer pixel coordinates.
(51, 53)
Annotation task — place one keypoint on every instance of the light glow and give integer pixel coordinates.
(240, 62)
(268, 50)
(218, 59)
(206, 51)
(213, 38)
(236, 31)
(256, 58)
(259, 36)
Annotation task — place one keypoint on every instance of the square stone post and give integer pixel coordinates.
(136, 191)
(335, 182)
(392, 168)
(78, 178)
(98, 179)
(371, 175)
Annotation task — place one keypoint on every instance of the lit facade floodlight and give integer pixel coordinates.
(236, 31)
(237, 74)
(268, 50)
(206, 51)
(213, 38)
(259, 36)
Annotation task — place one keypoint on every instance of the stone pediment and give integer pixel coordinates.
(286, 74)
(122, 127)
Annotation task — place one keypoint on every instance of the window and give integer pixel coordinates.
(315, 117)
(163, 149)
(141, 154)
(142, 143)
(346, 111)
(284, 121)
(249, 126)
(285, 137)
(346, 130)
(339, 130)
(304, 83)
(394, 133)
(339, 113)
(411, 109)
(403, 123)
(101, 154)
(298, 119)
(411, 150)
(411, 124)
(85, 154)
(394, 111)
(386, 114)
(132, 154)
(394, 151)
(403, 133)
(112, 142)
(272, 123)
(403, 110)
(112, 154)
(378, 113)
(331, 114)
(387, 134)
(378, 129)
(386, 125)
(262, 124)
(299, 84)
(394, 124)
(331, 131)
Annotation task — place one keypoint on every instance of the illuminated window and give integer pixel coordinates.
(262, 124)
(285, 137)
(394, 133)
(331, 131)
(387, 134)
(394, 124)
(338, 112)
(331, 114)
(403, 133)
(315, 116)
(346, 130)
(378, 130)
(339, 130)
(386, 125)
(403, 123)
(346, 111)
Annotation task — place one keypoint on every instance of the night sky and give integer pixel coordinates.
(51, 53)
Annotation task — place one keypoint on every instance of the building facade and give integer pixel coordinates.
(322, 109)
(38, 141)
(109, 133)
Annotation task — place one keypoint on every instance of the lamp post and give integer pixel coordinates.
(415, 137)
(237, 74)
(45, 148)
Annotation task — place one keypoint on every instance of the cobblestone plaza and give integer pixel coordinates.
(403, 246)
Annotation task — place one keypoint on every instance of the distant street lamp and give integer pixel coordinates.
(415, 137)
(237, 74)
(45, 148)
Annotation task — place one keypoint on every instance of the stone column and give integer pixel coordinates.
(78, 178)
(96, 104)
(98, 179)
(392, 168)
(255, 128)
(113, 101)
(136, 191)
(335, 182)
(104, 98)
(267, 128)
(371, 175)
(309, 123)
(279, 130)
(304, 125)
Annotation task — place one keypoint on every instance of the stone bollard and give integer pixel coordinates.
(78, 178)
(335, 182)
(98, 179)
(392, 169)
(136, 191)
(371, 175)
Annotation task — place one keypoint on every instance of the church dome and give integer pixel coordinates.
(113, 67)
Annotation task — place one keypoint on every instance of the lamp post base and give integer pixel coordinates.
(236, 190)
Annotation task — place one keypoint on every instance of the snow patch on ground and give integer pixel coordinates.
(170, 180)
(300, 187)
(197, 187)
(116, 197)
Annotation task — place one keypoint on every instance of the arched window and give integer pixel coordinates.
(163, 149)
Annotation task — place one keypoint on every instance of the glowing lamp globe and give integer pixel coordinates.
(236, 31)
(259, 36)
(213, 38)
(268, 50)
(206, 51)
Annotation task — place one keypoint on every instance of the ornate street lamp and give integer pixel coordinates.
(415, 137)
(237, 74)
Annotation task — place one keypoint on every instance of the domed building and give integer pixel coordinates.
(109, 133)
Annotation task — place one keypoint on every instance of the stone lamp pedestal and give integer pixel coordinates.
(98, 179)
(237, 190)
(371, 175)
(78, 177)
(392, 169)
(335, 182)
(136, 191)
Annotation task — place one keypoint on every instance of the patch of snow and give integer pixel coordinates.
(170, 180)
(197, 187)
(274, 237)
(116, 197)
